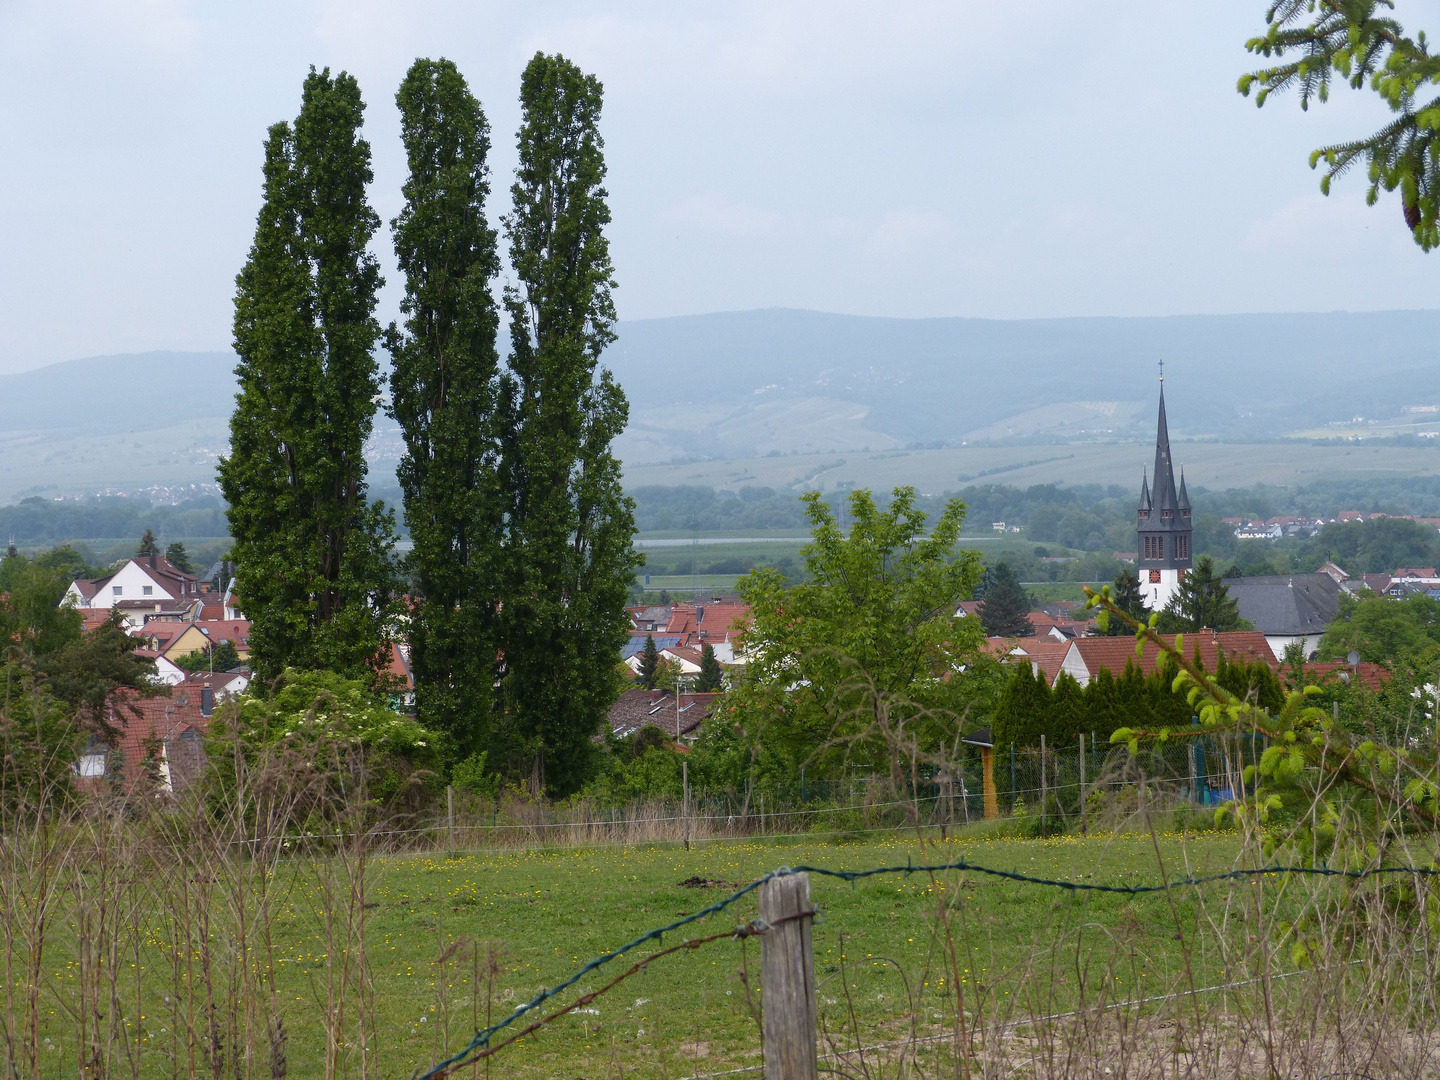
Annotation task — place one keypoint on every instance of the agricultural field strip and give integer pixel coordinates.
(482, 1038)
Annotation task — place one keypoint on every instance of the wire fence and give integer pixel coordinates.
(480, 1043)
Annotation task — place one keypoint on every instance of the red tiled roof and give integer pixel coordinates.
(718, 623)
(1373, 676)
(1114, 653)
(171, 725)
(1414, 572)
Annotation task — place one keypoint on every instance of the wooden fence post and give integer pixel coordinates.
(1042, 786)
(685, 808)
(450, 816)
(1082, 785)
(787, 979)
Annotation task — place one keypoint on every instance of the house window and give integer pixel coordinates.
(148, 590)
(92, 762)
(1182, 547)
(118, 590)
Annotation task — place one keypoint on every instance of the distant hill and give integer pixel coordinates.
(102, 395)
(744, 384)
(754, 383)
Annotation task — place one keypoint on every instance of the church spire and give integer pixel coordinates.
(1144, 492)
(1164, 491)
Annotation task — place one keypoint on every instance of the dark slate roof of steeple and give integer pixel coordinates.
(1144, 491)
(1164, 493)
(1184, 498)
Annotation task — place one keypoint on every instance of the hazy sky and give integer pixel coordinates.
(907, 159)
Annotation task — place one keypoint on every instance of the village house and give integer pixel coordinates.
(680, 718)
(1287, 608)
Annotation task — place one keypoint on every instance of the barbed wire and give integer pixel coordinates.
(482, 1038)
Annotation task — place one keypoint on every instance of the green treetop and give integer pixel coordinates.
(1005, 611)
(710, 674)
(867, 643)
(1201, 602)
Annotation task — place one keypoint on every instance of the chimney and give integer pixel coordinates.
(207, 700)
(152, 560)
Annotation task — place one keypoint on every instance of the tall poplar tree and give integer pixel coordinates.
(570, 560)
(444, 388)
(312, 553)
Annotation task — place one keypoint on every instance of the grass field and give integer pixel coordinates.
(547, 912)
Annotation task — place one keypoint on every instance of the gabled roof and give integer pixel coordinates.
(1113, 653)
(636, 709)
(1373, 676)
(1414, 572)
(1286, 604)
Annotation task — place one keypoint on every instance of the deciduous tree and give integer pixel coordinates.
(868, 641)
(444, 387)
(311, 551)
(569, 560)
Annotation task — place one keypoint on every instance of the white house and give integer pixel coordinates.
(152, 579)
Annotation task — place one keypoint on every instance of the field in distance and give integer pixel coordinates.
(1207, 465)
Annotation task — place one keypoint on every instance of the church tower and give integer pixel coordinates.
(1164, 524)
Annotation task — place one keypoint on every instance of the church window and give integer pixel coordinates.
(1154, 547)
(1167, 513)
(1154, 577)
(1182, 547)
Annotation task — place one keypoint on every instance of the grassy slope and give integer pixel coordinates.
(551, 911)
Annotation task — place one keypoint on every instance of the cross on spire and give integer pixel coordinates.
(1162, 369)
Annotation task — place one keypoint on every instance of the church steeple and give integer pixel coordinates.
(1164, 525)
(1144, 494)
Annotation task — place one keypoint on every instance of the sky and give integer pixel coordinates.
(907, 159)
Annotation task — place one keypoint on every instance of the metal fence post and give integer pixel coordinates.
(787, 979)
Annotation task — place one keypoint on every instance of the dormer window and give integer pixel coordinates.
(1167, 513)
(1185, 513)
(1144, 513)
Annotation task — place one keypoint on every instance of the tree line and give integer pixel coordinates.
(514, 610)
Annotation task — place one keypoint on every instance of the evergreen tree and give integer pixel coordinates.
(179, 558)
(649, 663)
(1125, 592)
(1067, 715)
(1132, 705)
(311, 551)
(148, 546)
(1005, 611)
(1022, 711)
(1101, 713)
(443, 395)
(570, 561)
(710, 674)
(1202, 602)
